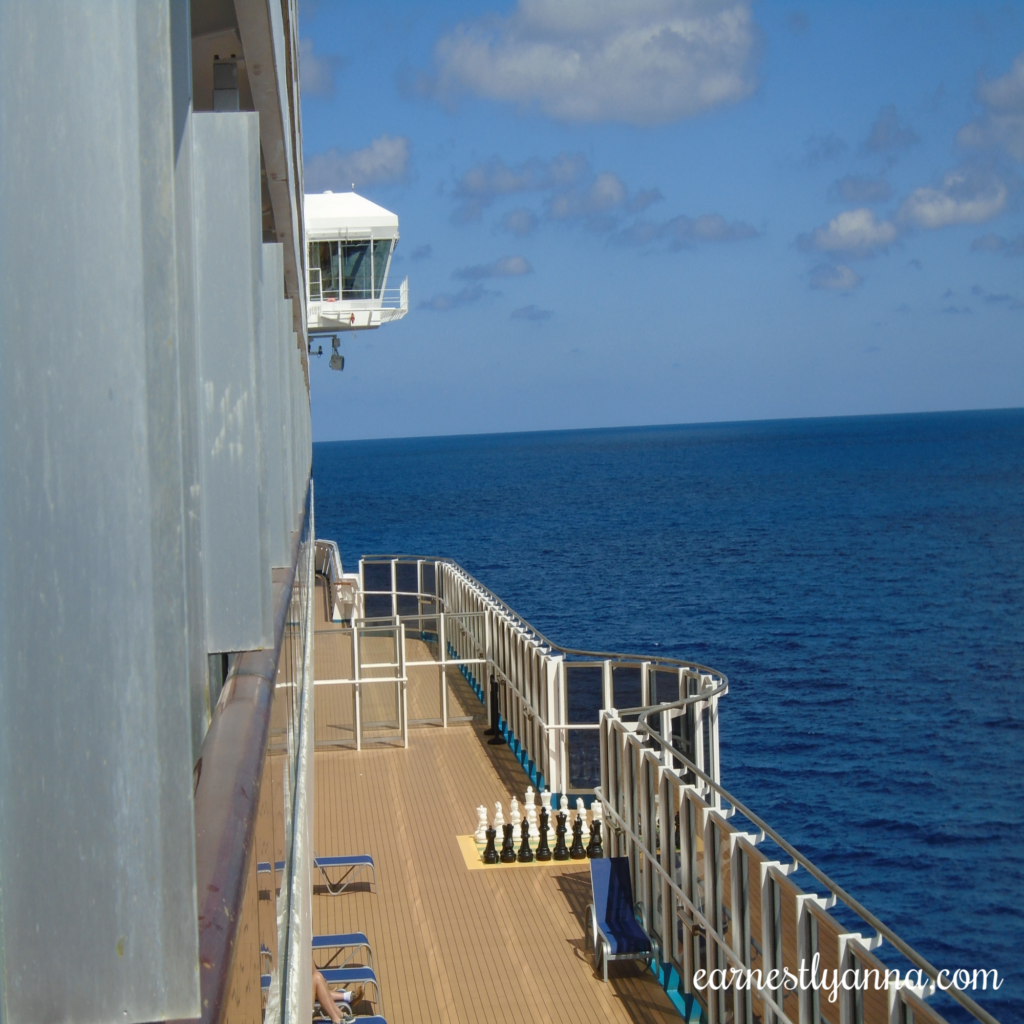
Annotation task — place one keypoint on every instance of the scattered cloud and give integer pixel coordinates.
(996, 243)
(385, 159)
(797, 22)
(890, 134)
(484, 183)
(604, 194)
(573, 193)
(532, 313)
(519, 222)
(684, 232)
(507, 266)
(1001, 126)
(638, 61)
(835, 277)
(997, 298)
(857, 189)
(854, 233)
(916, 264)
(444, 301)
(645, 197)
(966, 196)
(422, 252)
(822, 149)
(317, 71)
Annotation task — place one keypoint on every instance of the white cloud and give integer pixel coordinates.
(854, 188)
(638, 61)
(888, 133)
(996, 243)
(965, 197)
(519, 221)
(854, 233)
(532, 313)
(317, 72)
(507, 266)
(835, 278)
(444, 301)
(606, 193)
(684, 232)
(385, 159)
(483, 184)
(1002, 124)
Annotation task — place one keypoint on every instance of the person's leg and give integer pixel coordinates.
(323, 995)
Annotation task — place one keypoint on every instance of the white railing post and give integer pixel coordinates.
(394, 587)
(357, 709)
(403, 706)
(489, 670)
(442, 644)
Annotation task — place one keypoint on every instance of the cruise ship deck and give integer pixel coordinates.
(451, 944)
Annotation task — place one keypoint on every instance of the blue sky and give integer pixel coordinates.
(663, 211)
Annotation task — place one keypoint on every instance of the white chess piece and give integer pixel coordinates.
(581, 813)
(564, 809)
(481, 824)
(515, 817)
(531, 813)
(545, 801)
(499, 818)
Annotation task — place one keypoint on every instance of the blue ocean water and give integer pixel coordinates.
(860, 581)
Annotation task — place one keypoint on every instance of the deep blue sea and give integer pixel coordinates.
(860, 581)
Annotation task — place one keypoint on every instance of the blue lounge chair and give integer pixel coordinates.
(353, 864)
(614, 929)
(348, 940)
(354, 976)
(350, 865)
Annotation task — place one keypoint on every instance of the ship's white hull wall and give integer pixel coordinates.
(229, 262)
(96, 835)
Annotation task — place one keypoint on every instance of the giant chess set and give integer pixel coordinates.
(531, 828)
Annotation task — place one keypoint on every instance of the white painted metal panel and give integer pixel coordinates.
(273, 298)
(229, 261)
(96, 831)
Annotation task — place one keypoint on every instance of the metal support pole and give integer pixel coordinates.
(403, 707)
(444, 674)
(356, 695)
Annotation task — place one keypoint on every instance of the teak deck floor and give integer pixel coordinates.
(452, 944)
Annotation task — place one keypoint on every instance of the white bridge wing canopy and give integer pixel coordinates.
(350, 243)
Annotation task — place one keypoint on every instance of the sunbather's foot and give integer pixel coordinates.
(351, 997)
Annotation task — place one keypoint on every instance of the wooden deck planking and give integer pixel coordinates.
(451, 944)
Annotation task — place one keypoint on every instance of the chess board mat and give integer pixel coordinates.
(473, 855)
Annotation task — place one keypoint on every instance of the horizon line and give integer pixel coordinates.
(671, 426)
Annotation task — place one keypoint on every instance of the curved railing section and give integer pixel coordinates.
(546, 698)
(722, 905)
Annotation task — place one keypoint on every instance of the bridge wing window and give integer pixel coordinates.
(324, 255)
(381, 253)
(356, 270)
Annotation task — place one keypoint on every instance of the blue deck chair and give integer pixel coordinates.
(614, 929)
(354, 976)
(349, 865)
(348, 940)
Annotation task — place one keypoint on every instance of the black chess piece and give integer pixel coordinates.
(525, 853)
(508, 845)
(595, 851)
(577, 850)
(561, 853)
(543, 853)
(490, 853)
